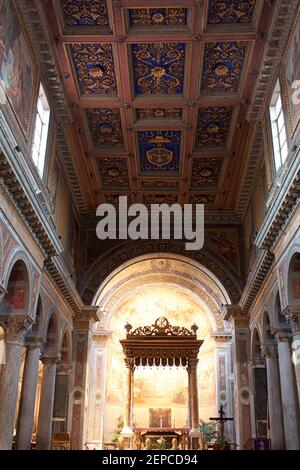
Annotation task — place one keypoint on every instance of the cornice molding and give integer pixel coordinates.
(71, 173)
(15, 192)
(256, 278)
(280, 28)
(249, 176)
(283, 207)
(33, 16)
(31, 213)
(61, 277)
(283, 17)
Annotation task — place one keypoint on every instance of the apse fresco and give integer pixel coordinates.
(159, 388)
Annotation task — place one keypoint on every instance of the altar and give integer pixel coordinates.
(161, 344)
(155, 434)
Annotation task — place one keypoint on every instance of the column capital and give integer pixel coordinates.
(282, 334)
(192, 363)
(16, 329)
(269, 350)
(292, 315)
(64, 369)
(48, 360)
(258, 361)
(35, 342)
(129, 362)
(229, 311)
(89, 312)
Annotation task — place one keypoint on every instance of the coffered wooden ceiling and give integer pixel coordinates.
(159, 93)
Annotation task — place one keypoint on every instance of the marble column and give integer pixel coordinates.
(290, 403)
(15, 332)
(274, 398)
(81, 347)
(28, 393)
(128, 397)
(292, 315)
(241, 366)
(189, 399)
(44, 429)
(193, 385)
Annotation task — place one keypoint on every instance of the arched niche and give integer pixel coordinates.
(16, 300)
(294, 280)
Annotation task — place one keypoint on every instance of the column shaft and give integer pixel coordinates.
(44, 430)
(275, 403)
(127, 428)
(288, 392)
(296, 360)
(8, 394)
(189, 399)
(28, 393)
(14, 336)
(194, 400)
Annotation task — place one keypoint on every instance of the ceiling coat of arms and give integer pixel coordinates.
(159, 150)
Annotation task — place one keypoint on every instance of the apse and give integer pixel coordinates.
(138, 294)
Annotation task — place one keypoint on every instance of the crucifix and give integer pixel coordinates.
(221, 419)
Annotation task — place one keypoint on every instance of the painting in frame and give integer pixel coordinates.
(17, 68)
(292, 74)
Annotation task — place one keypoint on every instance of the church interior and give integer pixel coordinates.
(134, 343)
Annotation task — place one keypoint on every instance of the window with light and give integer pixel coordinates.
(41, 131)
(279, 135)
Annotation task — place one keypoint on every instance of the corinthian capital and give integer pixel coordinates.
(192, 362)
(35, 342)
(16, 329)
(269, 351)
(129, 362)
(89, 312)
(292, 315)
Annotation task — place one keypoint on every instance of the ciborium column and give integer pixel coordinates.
(128, 397)
(193, 393)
